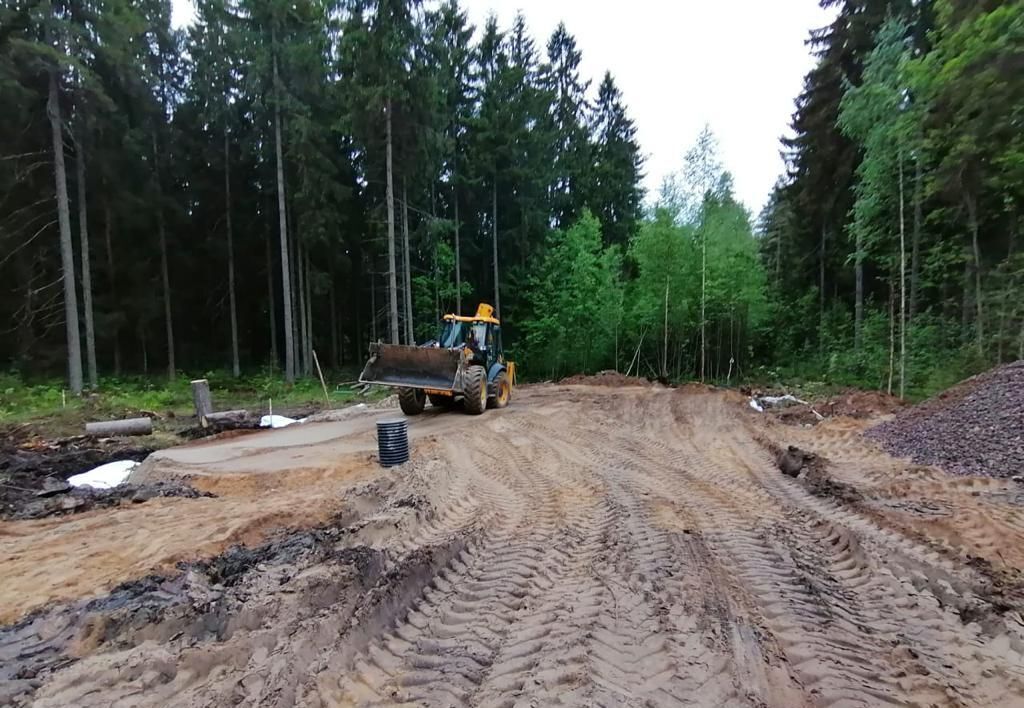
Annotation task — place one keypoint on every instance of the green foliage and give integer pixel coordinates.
(434, 293)
(576, 299)
(22, 400)
(886, 124)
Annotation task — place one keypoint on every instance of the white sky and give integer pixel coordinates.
(734, 64)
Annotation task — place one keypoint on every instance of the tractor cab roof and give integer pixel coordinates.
(484, 313)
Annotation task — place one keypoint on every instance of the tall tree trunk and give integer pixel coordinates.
(965, 310)
(858, 310)
(164, 268)
(373, 308)
(297, 319)
(703, 300)
(392, 275)
(1008, 288)
(271, 303)
(903, 290)
(972, 217)
(309, 312)
(112, 275)
(915, 239)
(83, 232)
(286, 282)
(494, 241)
(67, 252)
(778, 261)
(409, 338)
(821, 288)
(458, 256)
(300, 277)
(143, 346)
(235, 367)
(335, 352)
(892, 338)
(664, 347)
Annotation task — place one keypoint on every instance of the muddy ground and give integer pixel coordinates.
(589, 545)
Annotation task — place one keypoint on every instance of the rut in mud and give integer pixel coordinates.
(597, 546)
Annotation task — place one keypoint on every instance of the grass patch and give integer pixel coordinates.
(36, 401)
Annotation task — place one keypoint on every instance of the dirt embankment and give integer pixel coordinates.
(586, 546)
(974, 428)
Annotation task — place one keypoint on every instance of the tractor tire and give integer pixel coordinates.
(502, 392)
(412, 400)
(475, 390)
(439, 401)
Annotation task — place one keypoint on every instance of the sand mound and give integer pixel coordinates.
(604, 378)
(973, 428)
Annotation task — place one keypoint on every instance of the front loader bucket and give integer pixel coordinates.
(412, 367)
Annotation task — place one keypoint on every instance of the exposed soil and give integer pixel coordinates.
(861, 405)
(604, 378)
(585, 546)
(78, 500)
(974, 428)
(29, 465)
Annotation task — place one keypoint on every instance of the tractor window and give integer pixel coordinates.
(451, 335)
(480, 335)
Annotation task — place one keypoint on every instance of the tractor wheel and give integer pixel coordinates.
(439, 401)
(412, 400)
(475, 390)
(502, 392)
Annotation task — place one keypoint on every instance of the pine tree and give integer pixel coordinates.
(570, 147)
(616, 174)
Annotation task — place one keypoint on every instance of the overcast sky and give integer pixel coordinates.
(734, 64)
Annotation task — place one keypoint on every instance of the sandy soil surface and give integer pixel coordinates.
(589, 545)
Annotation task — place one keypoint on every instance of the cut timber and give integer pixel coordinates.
(129, 426)
(201, 398)
(228, 419)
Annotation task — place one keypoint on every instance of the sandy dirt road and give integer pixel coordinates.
(586, 546)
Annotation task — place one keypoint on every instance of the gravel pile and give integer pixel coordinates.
(973, 428)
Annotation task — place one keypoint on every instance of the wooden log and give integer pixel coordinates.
(228, 419)
(201, 398)
(129, 426)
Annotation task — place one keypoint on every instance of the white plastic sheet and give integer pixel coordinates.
(278, 421)
(105, 476)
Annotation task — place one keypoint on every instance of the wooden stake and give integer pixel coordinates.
(320, 373)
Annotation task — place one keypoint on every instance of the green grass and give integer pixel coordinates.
(26, 401)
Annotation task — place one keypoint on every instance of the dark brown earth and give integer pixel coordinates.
(974, 428)
(850, 404)
(29, 465)
(604, 378)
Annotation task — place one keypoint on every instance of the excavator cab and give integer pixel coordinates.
(465, 362)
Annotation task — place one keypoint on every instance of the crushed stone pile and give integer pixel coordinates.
(973, 428)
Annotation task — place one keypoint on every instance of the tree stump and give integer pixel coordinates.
(201, 398)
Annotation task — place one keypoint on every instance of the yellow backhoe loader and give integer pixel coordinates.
(466, 361)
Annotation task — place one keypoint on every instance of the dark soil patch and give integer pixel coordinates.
(812, 471)
(852, 403)
(78, 499)
(199, 603)
(31, 465)
(973, 428)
